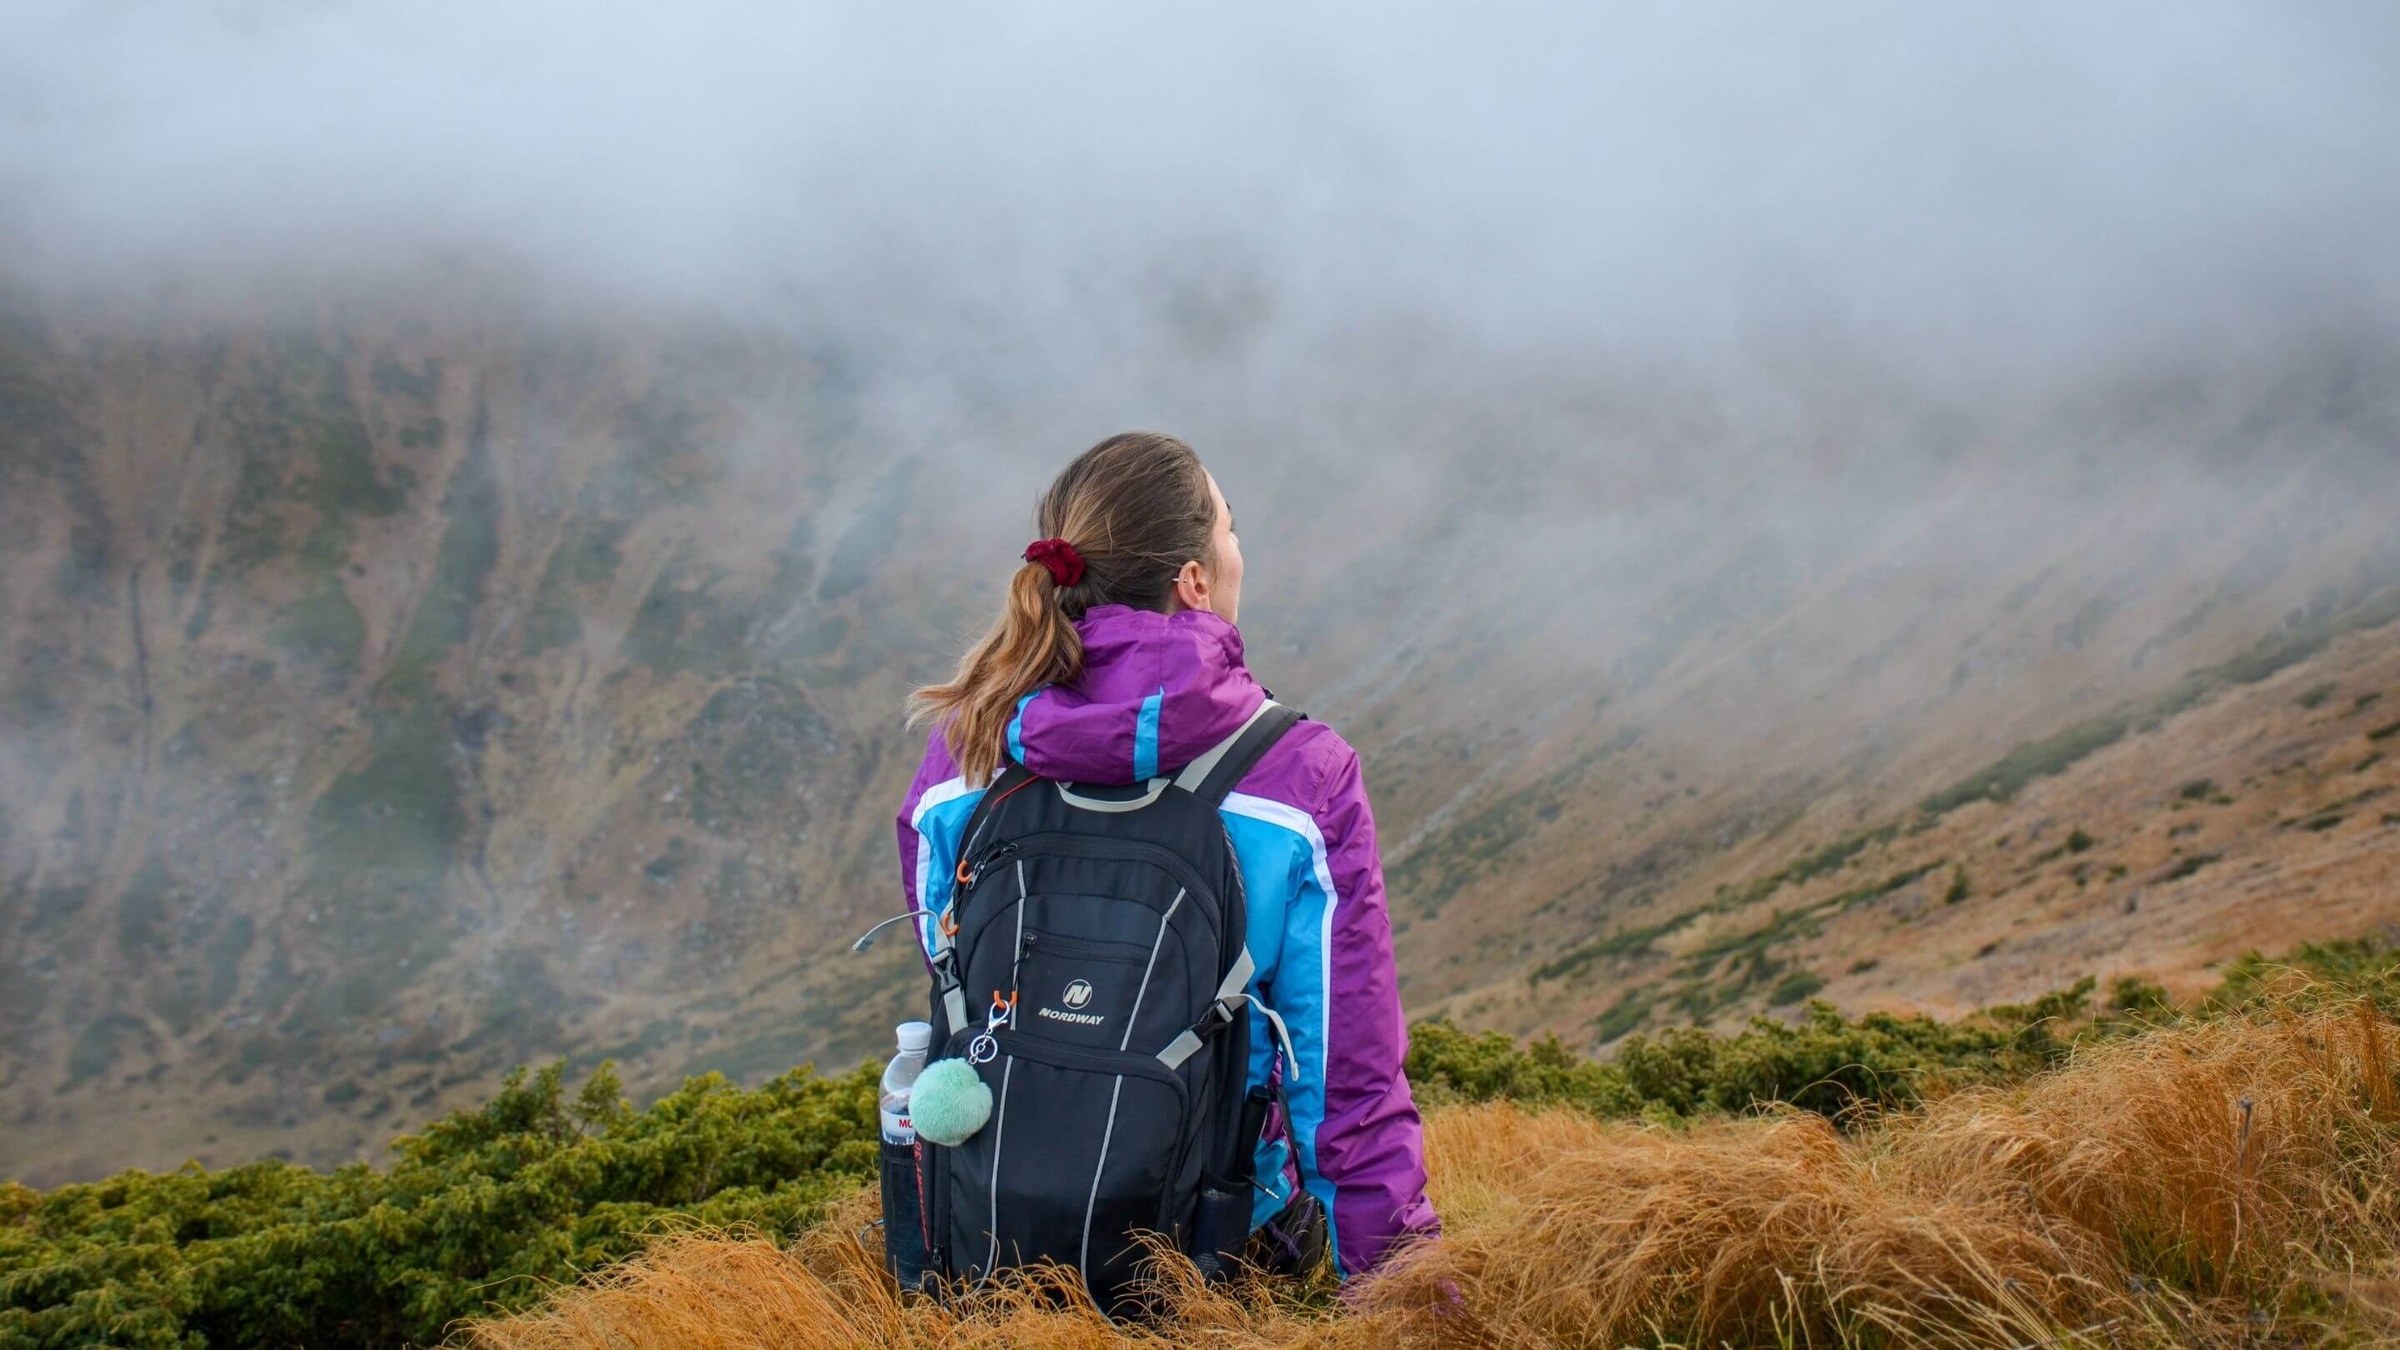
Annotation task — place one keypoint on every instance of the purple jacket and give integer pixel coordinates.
(1156, 691)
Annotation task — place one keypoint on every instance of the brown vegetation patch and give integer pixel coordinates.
(2221, 1183)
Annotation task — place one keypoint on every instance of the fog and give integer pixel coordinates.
(1960, 187)
(1539, 295)
(1577, 286)
(1540, 349)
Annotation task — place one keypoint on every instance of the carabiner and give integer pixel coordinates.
(985, 1047)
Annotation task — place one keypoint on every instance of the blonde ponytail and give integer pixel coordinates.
(1031, 644)
(1135, 507)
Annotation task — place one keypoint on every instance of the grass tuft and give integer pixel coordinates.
(2217, 1183)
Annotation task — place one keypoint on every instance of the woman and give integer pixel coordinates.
(1116, 660)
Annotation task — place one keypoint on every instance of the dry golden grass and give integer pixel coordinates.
(2232, 1183)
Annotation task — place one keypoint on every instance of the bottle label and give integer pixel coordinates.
(898, 1128)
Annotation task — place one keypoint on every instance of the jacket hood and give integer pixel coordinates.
(1157, 691)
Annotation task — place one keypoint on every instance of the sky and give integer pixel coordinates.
(2017, 184)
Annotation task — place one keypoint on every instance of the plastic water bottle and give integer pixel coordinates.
(904, 1246)
(916, 1038)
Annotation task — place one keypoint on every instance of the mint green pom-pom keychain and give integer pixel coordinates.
(949, 1103)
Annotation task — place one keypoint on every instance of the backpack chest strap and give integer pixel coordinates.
(945, 970)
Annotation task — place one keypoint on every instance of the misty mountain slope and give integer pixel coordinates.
(2259, 802)
(437, 683)
(1842, 695)
(439, 709)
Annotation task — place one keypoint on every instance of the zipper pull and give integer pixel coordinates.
(971, 872)
(1001, 852)
(985, 1046)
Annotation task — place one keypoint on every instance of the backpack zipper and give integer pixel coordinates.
(1128, 953)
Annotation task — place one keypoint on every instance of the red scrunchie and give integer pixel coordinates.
(1065, 564)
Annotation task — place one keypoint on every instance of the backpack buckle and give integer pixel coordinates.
(1218, 1017)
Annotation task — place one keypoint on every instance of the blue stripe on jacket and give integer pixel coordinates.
(1145, 738)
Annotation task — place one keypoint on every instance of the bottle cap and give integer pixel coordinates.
(915, 1037)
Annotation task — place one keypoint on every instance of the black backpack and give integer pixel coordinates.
(1092, 965)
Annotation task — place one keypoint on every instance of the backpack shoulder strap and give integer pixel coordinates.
(1220, 770)
(1012, 777)
(942, 954)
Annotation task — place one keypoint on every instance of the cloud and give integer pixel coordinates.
(1987, 182)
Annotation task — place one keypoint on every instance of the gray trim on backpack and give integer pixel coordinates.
(999, 1123)
(1158, 787)
(1196, 772)
(1083, 1252)
(1266, 727)
(1018, 960)
(1143, 989)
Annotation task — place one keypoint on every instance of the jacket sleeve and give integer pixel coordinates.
(1363, 1150)
(936, 806)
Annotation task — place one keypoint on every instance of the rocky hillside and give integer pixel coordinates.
(2253, 804)
(398, 691)
(380, 710)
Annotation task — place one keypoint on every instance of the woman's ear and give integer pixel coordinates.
(1191, 587)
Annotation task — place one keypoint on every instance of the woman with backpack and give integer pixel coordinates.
(1069, 900)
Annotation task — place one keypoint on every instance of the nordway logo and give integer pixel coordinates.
(1077, 993)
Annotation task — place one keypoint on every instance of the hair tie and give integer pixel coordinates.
(1065, 564)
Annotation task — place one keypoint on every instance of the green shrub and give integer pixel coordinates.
(324, 627)
(2044, 758)
(1793, 987)
(2133, 996)
(1876, 890)
(462, 563)
(587, 555)
(2349, 968)
(1624, 1015)
(1826, 1063)
(1836, 854)
(1628, 942)
(1446, 1063)
(481, 1210)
